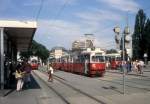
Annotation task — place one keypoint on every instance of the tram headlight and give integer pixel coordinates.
(93, 65)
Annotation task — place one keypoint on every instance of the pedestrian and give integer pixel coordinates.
(141, 66)
(138, 67)
(129, 66)
(19, 74)
(135, 66)
(107, 65)
(50, 72)
(27, 68)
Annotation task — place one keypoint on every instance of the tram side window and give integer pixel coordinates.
(112, 58)
(102, 58)
(94, 59)
(118, 58)
(98, 58)
(83, 58)
(34, 61)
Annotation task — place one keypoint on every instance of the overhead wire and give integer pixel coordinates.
(52, 24)
(39, 11)
(59, 13)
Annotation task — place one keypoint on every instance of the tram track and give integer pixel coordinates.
(136, 77)
(119, 82)
(129, 74)
(56, 92)
(80, 91)
(63, 84)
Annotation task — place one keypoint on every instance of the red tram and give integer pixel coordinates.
(86, 63)
(34, 64)
(115, 60)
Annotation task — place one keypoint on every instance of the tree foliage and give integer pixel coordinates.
(38, 50)
(147, 37)
(138, 38)
(111, 51)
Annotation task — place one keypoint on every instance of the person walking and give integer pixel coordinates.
(135, 66)
(141, 66)
(50, 72)
(107, 65)
(27, 69)
(129, 66)
(20, 77)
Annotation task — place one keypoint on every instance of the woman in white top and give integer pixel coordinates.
(50, 72)
(135, 66)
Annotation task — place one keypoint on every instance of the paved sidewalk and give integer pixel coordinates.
(26, 96)
(37, 93)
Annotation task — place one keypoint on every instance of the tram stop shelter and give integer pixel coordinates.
(15, 36)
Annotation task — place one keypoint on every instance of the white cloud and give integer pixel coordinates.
(105, 43)
(48, 3)
(92, 22)
(37, 3)
(58, 32)
(63, 33)
(95, 17)
(123, 5)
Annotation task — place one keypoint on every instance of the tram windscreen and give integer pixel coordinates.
(118, 58)
(98, 58)
(34, 62)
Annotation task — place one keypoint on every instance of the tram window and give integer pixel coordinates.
(108, 58)
(112, 58)
(118, 58)
(98, 58)
(34, 61)
(82, 58)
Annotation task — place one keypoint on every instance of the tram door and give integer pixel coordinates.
(86, 64)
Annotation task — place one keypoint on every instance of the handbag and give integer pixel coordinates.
(18, 75)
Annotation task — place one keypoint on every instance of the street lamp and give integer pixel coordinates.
(125, 39)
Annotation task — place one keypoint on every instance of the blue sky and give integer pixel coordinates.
(60, 22)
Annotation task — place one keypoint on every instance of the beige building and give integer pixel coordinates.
(82, 44)
(58, 52)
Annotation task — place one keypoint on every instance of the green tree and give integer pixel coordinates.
(139, 46)
(111, 51)
(147, 37)
(38, 50)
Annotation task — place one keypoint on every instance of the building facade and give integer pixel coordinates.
(58, 52)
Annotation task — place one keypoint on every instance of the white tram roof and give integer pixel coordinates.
(114, 54)
(93, 52)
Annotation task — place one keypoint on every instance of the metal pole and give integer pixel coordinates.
(2, 58)
(123, 63)
(48, 63)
